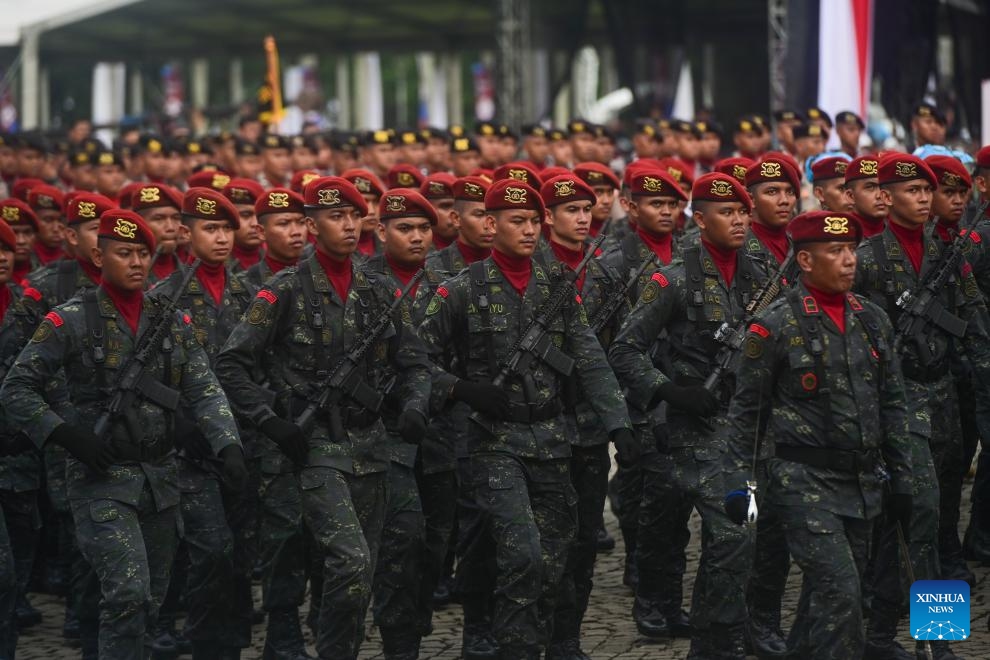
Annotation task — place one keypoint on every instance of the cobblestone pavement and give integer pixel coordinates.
(608, 632)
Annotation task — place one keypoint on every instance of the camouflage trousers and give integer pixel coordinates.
(438, 494)
(832, 552)
(8, 593)
(344, 513)
(531, 506)
(589, 476)
(771, 561)
(131, 550)
(219, 536)
(399, 598)
(281, 541)
(474, 580)
(686, 479)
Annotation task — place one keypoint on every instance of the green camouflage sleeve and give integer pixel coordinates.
(896, 444)
(202, 392)
(438, 331)
(413, 363)
(23, 391)
(630, 352)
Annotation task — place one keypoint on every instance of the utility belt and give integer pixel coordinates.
(841, 460)
(528, 413)
(142, 453)
(351, 417)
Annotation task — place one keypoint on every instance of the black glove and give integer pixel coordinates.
(692, 399)
(234, 470)
(191, 440)
(412, 426)
(289, 438)
(15, 444)
(95, 453)
(627, 450)
(899, 508)
(486, 398)
(737, 506)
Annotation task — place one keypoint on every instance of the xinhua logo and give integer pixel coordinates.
(940, 610)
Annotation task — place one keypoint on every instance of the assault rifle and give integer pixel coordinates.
(731, 338)
(133, 380)
(603, 316)
(534, 343)
(921, 308)
(344, 380)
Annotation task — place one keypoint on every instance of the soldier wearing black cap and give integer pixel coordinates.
(110, 174)
(82, 165)
(687, 139)
(849, 127)
(30, 151)
(345, 152)
(194, 153)
(561, 152)
(465, 156)
(581, 135)
(149, 159)
(378, 152)
(809, 140)
(536, 145)
(927, 125)
(711, 144)
(508, 143)
(747, 136)
(276, 169)
(412, 148)
(248, 162)
(437, 149)
(489, 144)
(785, 121)
(818, 116)
(305, 151)
(645, 138)
(605, 141)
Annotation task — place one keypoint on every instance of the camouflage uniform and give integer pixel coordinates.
(826, 508)
(521, 472)
(448, 260)
(343, 481)
(976, 543)
(690, 300)
(127, 521)
(218, 526)
(624, 257)
(883, 272)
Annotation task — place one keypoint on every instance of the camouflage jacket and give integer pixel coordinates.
(884, 272)
(448, 260)
(64, 341)
(626, 256)
(690, 301)
(255, 277)
(778, 389)
(277, 335)
(453, 320)
(21, 471)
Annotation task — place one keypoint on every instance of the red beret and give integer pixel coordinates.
(438, 186)
(366, 182)
(596, 174)
(786, 157)
(404, 175)
(639, 166)
(512, 194)
(405, 203)
(653, 182)
(154, 195)
(22, 187)
(471, 189)
(825, 227)
(46, 198)
(484, 173)
(85, 206)
(680, 171)
(773, 169)
(718, 187)
(949, 171)
(209, 204)
(301, 178)
(243, 191)
(17, 212)
(983, 157)
(7, 236)
(829, 168)
(127, 227)
(209, 179)
(566, 188)
(125, 194)
(279, 200)
(905, 167)
(864, 167)
(520, 172)
(330, 192)
(736, 167)
(554, 170)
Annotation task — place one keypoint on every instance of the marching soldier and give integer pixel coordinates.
(248, 241)
(215, 515)
(518, 448)
(604, 183)
(48, 204)
(863, 190)
(160, 206)
(818, 371)
(570, 205)
(438, 188)
(828, 178)
(22, 220)
(296, 330)
(122, 487)
(690, 300)
(888, 264)
(475, 230)
(371, 189)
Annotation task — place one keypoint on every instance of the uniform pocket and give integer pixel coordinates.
(103, 511)
(312, 479)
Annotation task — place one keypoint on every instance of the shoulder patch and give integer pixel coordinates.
(753, 347)
(32, 293)
(660, 279)
(974, 236)
(435, 302)
(650, 292)
(854, 303)
(758, 329)
(265, 294)
(55, 319)
(442, 291)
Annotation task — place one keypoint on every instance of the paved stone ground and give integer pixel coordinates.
(608, 631)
